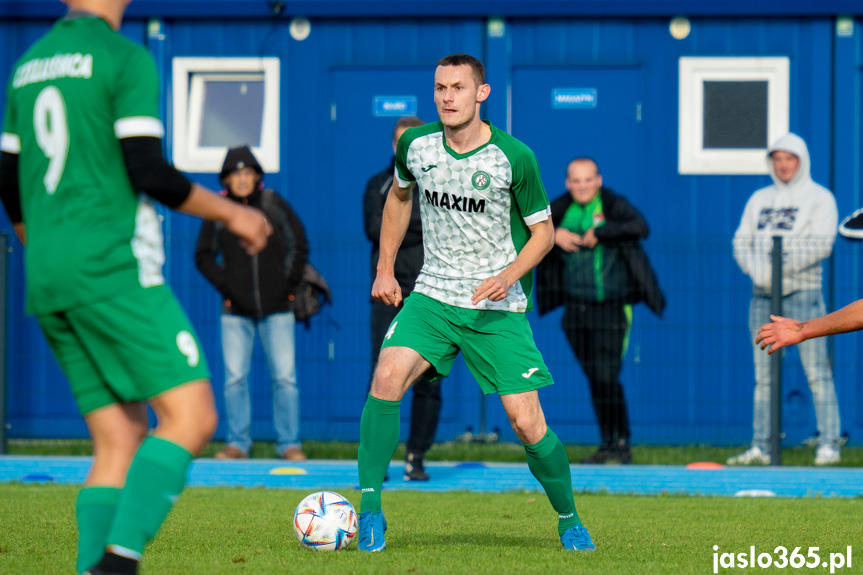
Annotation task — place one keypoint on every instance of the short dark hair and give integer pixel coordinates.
(406, 122)
(583, 159)
(466, 60)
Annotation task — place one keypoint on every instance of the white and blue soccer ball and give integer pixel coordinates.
(325, 521)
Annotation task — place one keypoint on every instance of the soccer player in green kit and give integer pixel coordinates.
(81, 137)
(486, 225)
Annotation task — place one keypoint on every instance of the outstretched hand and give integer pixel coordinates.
(781, 332)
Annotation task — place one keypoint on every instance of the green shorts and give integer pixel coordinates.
(498, 346)
(129, 348)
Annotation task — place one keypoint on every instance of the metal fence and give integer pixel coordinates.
(688, 376)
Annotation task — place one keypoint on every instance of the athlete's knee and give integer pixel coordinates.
(198, 423)
(187, 415)
(525, 416)
(192, 430)
(527, 427)
(389, 381)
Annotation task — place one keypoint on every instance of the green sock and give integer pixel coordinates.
(549, 463)
(156, 478)
(95, 510)
(379, 438)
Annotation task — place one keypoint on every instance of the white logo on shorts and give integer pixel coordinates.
(530, 372)
(188, 347)
(391, 330)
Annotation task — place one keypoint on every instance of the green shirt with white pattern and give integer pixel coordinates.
(476, 208)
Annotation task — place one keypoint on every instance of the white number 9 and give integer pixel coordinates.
(187, 346)
(52, 134)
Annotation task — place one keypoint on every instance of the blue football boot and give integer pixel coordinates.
(372, 529)
(576, 538)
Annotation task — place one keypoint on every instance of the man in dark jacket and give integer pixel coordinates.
(597, 270)
(425, 408)
(256, 297)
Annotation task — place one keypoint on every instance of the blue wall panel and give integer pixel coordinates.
(249, 9)
(688, 375)
(334, 355)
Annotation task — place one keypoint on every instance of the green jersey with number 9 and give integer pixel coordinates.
(71, 98)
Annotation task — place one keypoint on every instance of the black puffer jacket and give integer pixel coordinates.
(550, 292)
(260, 285)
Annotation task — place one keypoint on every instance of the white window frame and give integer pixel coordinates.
(189, 76)
(692, 157)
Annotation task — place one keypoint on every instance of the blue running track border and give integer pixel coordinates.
(315, 475)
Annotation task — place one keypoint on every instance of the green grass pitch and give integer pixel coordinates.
(249, 531)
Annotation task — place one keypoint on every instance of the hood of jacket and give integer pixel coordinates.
(237, 159)
(793, 144)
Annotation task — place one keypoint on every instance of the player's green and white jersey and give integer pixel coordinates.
(71, 98)
(476, 209)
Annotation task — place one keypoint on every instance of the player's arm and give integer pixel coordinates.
(134, 103)
(396, 218)
(151, 174)
(249, 224)
(537, 247)
(782, 332)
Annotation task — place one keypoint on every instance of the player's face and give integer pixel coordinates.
(582, 181)
(242, 182)
(457, 95)
(785, 165)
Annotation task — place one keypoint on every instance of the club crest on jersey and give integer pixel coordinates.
(481, 180)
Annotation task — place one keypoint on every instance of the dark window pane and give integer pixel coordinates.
(233, 113)
(735, 115)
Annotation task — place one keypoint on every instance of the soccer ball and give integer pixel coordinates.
(325, 521)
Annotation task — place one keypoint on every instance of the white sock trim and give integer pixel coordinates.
(124, 552)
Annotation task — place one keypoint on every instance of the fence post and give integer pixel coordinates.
(4, 258)
(776, 358)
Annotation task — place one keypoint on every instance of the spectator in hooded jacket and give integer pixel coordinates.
(804, 215)
(256, 294)
(426, 403)
(597, 270)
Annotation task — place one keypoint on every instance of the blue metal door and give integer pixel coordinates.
(563, 113)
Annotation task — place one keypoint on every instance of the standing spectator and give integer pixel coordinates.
(804, 215)
(256, 298)
(425, 407)
(598, 270)
(78, 148)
